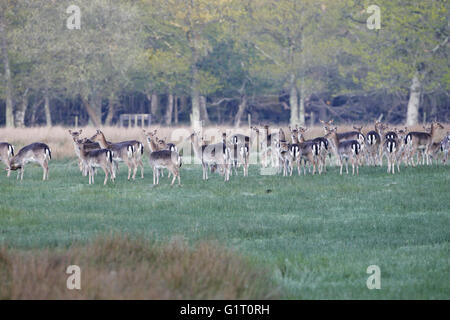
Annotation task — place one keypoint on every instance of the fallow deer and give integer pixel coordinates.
(36, 152)
(89, 145)
(445, 147)
(422, 141)
(212, 154)
(170, 160)
(6, 153)
(374, 144)
(121, 152)
(97, 158)
(344, 150)
(310, 151)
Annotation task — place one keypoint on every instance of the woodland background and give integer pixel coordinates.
(285, 61)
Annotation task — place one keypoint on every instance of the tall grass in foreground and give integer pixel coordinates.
(124, 268)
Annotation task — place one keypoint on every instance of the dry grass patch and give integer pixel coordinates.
(122, 268)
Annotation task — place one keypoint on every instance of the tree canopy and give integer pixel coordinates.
(186, 61)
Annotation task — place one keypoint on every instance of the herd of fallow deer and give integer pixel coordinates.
(275, 150)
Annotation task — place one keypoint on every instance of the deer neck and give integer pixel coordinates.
(152, 145)
(102, 141)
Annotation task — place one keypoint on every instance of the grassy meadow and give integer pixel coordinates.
(314, 236)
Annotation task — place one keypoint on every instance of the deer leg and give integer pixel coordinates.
(141, 164)
(174, 177)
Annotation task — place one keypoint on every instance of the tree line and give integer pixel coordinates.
(219, 61)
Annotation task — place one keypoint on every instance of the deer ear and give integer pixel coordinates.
(70, 131)
(81, 130)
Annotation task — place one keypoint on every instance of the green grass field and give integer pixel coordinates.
(315, 234)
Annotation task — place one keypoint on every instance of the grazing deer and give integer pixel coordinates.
(345, 150)
(121, 152)
(97, 158)
(422, 141)
(165, 159)
(36, 152)
(89, 145)
(211, 155)
(6, 153)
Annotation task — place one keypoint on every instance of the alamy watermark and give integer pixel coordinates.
(374, 280)
(74, 21)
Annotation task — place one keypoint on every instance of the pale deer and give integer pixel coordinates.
(89, 145)
(422, 141)
(6, 153)
(121, 152)
(97, 158)
(344, 150)
(36, 152)
(170, 160)
(210, 155)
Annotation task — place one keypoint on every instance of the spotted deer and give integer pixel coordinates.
(97, 158)
(89, 145)
(344, 150)
(36, 152)
(168, 159)
(417, 140)
(210, 155)
(374, 144)
(121, 152)
(6, 153)
(322, 145)
(310, 151)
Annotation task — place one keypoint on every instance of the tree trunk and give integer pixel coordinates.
(93, 117)
(19, 119)
(203, 110)
(301, 118)
(195, 93)
(111, 110)
(412, 115)
(48, 116)
(169, 110)
(9, 117)
(293, 102)
(241, 109)
(154, 106)
(175, 116)
(195, 97)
